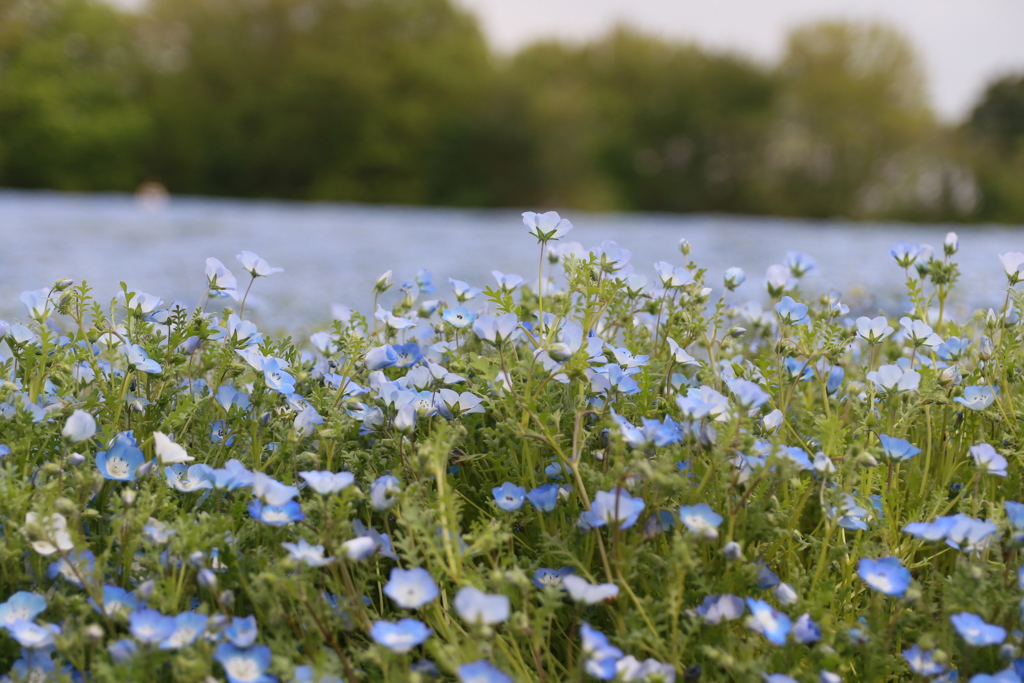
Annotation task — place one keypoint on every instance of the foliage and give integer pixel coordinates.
(612, 480)
(404, 101)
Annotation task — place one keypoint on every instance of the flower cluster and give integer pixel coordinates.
(598, 473)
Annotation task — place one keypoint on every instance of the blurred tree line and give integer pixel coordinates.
(403, 101)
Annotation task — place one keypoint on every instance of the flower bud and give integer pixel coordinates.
(952, 244)
(684, 246)
(227, 598)
(145, 469)
(128, 496)
(785, 594)
(62, 284)
(145, 589)
(950, 376)
(865, 459)
(732, 551)
(207, 579)
(75, 459)
(383, 283)
(985, 348)
(734, 277)
(736, 331)
(197, 559)
(94, 632)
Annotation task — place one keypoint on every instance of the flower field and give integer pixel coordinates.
(584, 474)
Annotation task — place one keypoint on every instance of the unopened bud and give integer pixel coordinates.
(197, 558)
(736, 331)
(952, 244)
(94, 632)
(65, 506)
(144, 469)
(62, 284)
(75, 459)
(684, 246)
(128, 496)
(985, 348)
(732, 551)
(145, 589)
(950, 376)
(207, 579)
(865, 459)
(227, 598)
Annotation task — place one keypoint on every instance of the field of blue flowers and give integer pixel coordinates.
(585, 476)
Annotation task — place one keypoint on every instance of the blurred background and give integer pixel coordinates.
(843, 111)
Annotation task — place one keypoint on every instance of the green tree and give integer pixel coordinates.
(328, 99)
(70, 117)
(852, 114)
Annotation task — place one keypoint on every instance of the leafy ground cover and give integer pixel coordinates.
(623, 479)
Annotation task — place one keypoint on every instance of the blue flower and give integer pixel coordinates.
(194, 478)
(242, 632)
(806, 631)
(496, 330)
(459, 317)
(546, 577)
(987, 460)
(463, 292)
(120, 461)
(244, 666)
(544, 497)
(715, 609)
(22, 605)
(72, 567)
(792, 312)
(400, 636)
(383, 490)
(482, 671)
(32, 636)
(921, 662)
(508, 496)
(411, 588)
(149, 626)
(219, 433)
(897, 449)
(601, 655)
(581, 590)
(380, 357)
(140, 360)
(115, 601)
(975, 631)
(408, 354)
(748, 394)
(905, 253)
(895, 378)
(276, 378)
(766, 578)
(546, 226)
(978, 397)
(306, 553)
(276, 515)
(701, 520)
(768, 621)
(616, 506)
(475, 606)
(270, 490)
(800, 264)
(886, 575)
(256, 266)
(188, 627)
(326, 483)
(81, 426)
(873, 330)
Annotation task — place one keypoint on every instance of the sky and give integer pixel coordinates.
(963, 44)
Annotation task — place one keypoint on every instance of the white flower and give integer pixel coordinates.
(54, 532)
(588, 593)
(1013, 266)
(169, 452)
